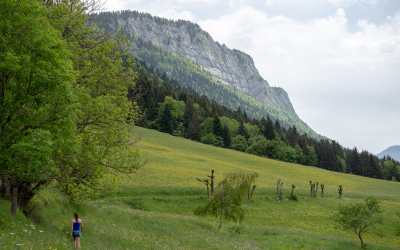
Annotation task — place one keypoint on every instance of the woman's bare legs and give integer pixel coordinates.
(79, 242)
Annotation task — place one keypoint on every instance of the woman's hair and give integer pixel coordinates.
(76, 215)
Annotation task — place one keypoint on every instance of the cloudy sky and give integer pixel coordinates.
(337, 59)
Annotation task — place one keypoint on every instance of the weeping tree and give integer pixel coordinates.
(228, 198)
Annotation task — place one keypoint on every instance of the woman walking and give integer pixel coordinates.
(76, 229)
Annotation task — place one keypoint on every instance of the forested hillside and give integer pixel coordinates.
(167, 107)
(227, 76)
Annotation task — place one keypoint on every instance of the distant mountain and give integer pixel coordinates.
(189, 54)
(393, 151)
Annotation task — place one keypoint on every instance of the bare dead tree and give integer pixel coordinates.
(316, 189)
(212, 182)
(278, 182)
(207, 183)
(322, 191)
(313, 190)
(293, 187)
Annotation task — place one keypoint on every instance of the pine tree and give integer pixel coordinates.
(165, 123)
(218, 131)
(277, 125)
(269, 129)
(226, 137)
(242, 131)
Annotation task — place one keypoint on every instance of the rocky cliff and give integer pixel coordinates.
(230, 67)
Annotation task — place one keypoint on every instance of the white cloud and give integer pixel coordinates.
(340, 3)
(173, 14)
(352, 2)
(326, 40)
(343, 83)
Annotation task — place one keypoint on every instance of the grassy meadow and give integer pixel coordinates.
(162, 216)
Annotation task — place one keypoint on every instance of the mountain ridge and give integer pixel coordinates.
(231, 68)
(392, 151)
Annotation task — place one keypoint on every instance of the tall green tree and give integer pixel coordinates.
(226, 137)
(36, 99)
(269, 129)
(165, 123)
(72, 109)
(217, 126)
(105, 114)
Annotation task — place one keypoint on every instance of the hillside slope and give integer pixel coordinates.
(154, 208)
(393, 151)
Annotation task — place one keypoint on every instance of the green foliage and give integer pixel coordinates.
(359, 217)
(300, 158)
(312, 157)
(208, 139)
(254, 131)
(207, 127)
(255, 139)
(165, 120)
(291, 155)
(258, 148)
(65, 100)
(228, 197)
(36, 98)
(239, 143)
(219, 141)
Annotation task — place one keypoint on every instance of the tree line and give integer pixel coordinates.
(169, 108)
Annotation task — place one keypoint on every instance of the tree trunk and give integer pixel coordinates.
(222, 213)
(322, 193)
(208, 192)
(311, 192)
(340, 195)
(252, 191)
(362, 243)
(212, 183)
(14, 200)
(281, 189)
(5, 187)
(277, 187)
(291, 197)
(137, 207)
(26, 193)
(316, 190)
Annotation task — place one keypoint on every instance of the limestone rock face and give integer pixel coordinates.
(232, 68)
